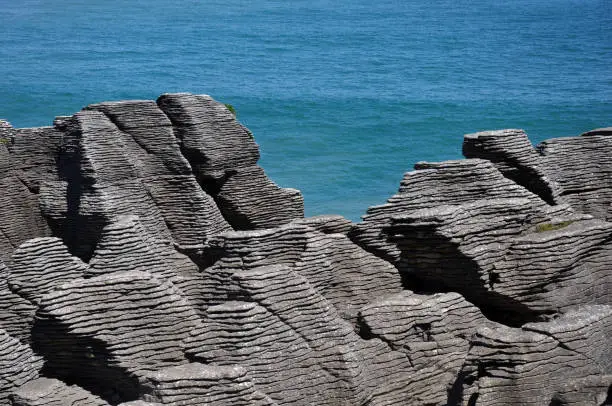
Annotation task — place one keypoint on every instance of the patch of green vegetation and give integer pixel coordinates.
(4, 140)
(231, 109)
(541, 228)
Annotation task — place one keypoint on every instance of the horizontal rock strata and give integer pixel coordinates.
(344, 273)
(16, 313)
(51, 392)
(198, 384)
(572, 170)
(146, 260)
(533, 365)
(224, 156)
(104, 332)
(18, 365)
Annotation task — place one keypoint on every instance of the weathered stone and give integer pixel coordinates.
(18, 365)
(346, 275)
(198, 384)
(16, 313)
(126, 246)
(433, 331)
(108, 171)
(431, 185)
(572, 170)
(106, 331)
(51, 392)
(224, 157)
(296, 347)
(504, 254)
(41, 265)
(533, 365)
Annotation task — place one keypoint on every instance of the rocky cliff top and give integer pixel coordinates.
(146, 259)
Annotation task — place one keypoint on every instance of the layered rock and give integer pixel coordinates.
(432, 185)
(51, 392)
(27, 158)
(198, 281)
(433, 331)
(344, 273)
(16, 313)
(41, 265)
(224, 157)
(125, 245)
(542, 362)
(503, 254)
(198, 384)
(104, 332)
(123, 159)
(572, 170)
(296, 347)
(18, 365)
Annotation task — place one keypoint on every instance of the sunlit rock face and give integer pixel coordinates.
(146, 259)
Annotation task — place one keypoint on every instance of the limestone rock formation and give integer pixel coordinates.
(105, 332)
(296, 347)
(40, 265)
(198, 384)
(432, 185)
(125, 245)
(51, 392)
(341, 271)
(16, 313)
(433, 331)
(18, 365)
(27, 158)
(146, 260)
(224, 157)
(541, 361)
(572, 170)
(114, 164)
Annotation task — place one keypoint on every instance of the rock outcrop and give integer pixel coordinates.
(572, 170)
(18, 365)
(147, 260)
(224, 156)
(198, 384)
(51, 392)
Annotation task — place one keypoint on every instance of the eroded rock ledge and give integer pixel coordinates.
(146, 259)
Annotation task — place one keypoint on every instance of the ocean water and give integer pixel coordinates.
(343, 97)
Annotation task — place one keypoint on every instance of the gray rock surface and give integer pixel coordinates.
(433, 331)
(572, 170)
(198, 384)
(224, 156)
(348, 276)
(41, 265)
(51, 392)
(504, 254)
(27, 158)
(541, 361)
(123, 159)
(296, 347)
(146, 260)
(18, 365)
(432, 185)
(126, 246)
(16, 313)
(105, 332)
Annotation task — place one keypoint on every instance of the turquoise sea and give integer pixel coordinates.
(343, 97)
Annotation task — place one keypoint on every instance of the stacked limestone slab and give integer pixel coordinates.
(18, 365)
(27, 157)
(572, 170)
(345, 274)
(51, 392)
(146, 260)
(224, 156)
